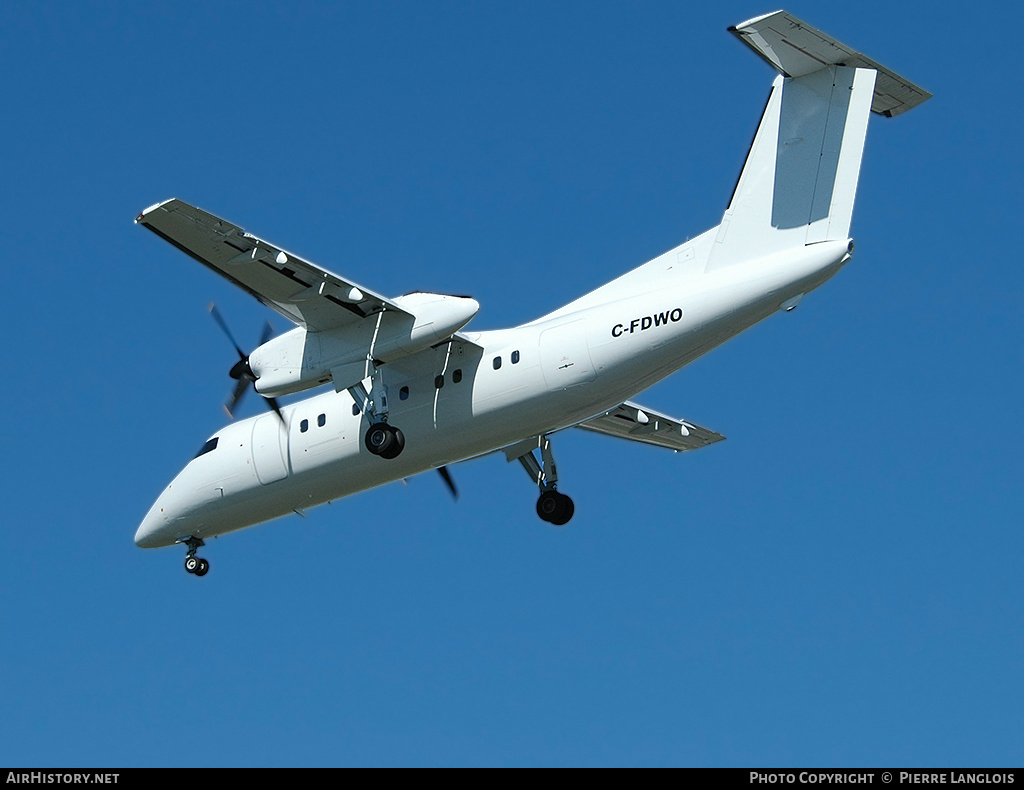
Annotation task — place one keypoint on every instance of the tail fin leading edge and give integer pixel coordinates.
(798, 184)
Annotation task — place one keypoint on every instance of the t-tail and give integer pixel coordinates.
(798, 184)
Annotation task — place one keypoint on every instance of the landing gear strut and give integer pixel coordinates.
(553, 507)
(380, 439)
(194, 564)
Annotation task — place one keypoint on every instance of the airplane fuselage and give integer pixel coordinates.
(462, 400)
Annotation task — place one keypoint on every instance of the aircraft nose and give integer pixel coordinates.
(147, 536)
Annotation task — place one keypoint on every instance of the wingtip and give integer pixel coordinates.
(152, 208)
(737, 29)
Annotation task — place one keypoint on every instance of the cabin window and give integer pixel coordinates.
(355, 409)
(403, 394)
(209, 446)
(303, 426)
(497, 363)
(439, 382)
(456, 375)
(515, 357)
(321, 420)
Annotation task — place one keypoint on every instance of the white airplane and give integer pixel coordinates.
(411, 391)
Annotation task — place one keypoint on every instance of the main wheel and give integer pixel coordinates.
(191, 563)
(567, 509)
(555, 508)
(380, 438)
(204, 566)
(398, 445)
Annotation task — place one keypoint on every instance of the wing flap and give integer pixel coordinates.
(301, 291)
(639, 424)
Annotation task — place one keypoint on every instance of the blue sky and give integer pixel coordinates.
(838, 584)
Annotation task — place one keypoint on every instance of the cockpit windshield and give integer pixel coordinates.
(206, 448)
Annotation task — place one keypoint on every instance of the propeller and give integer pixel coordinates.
(241, 371)
(448, 480)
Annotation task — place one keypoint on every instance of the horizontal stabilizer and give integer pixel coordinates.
(795, 49)
(639, 424)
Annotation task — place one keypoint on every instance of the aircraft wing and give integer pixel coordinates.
(300, 291)
(639, 424)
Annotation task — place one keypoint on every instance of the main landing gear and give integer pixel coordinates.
(381, 439)
(193, 564)
(552, 506)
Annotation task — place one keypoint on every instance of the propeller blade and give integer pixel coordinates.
(236, 397)
(272, 403)
(448, 481)
(241, 371)
(224, 326)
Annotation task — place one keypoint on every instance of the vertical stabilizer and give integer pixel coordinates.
(798, 184)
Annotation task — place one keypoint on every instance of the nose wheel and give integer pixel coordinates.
(197, 565)
(193, 564)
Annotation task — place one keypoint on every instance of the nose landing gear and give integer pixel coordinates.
(193, 564)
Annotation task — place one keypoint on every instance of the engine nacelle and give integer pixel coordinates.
(437, 317)
(299, 359)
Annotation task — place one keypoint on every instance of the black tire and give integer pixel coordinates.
(555, 508)
(566, 509)
(191, 564)
(379, 438)
(398, 445)
(203, 568)
(547, 504)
